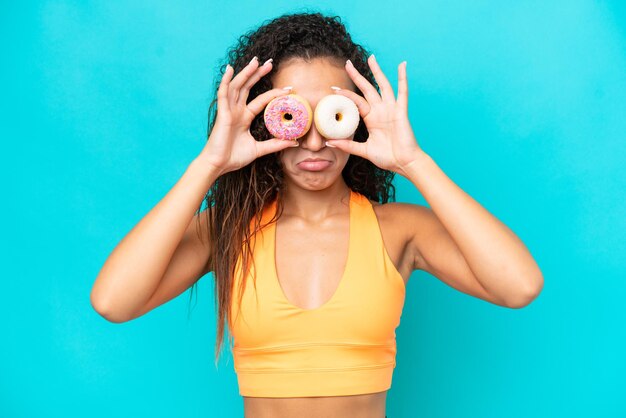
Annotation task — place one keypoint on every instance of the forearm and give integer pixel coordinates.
(496, 256)
(133, 270)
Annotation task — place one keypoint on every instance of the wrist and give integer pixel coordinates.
(419, 159)
(205, 167)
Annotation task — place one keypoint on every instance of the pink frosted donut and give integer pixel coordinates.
(288, 117)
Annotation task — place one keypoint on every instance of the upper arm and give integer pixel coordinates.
(436, 252)
(190, 262)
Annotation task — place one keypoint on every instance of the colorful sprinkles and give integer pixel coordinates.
(287, 117)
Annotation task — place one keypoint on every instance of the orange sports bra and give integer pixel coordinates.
(345, 347)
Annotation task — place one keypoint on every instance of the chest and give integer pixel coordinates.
(311, 259)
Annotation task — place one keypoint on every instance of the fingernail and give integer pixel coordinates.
(297, 144)
(329, 145)
(335, 88)
(268, 61)
(288, 88)
(373, 57)
(252, 60)
(350, 62)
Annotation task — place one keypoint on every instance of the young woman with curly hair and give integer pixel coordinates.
(312, 302)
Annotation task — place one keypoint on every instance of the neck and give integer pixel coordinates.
(315, 205)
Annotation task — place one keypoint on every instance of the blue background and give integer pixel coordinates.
(522, 104)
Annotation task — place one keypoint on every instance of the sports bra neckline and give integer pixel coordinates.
(345, 276)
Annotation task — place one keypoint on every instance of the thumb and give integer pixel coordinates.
(349, 146)
(275, 145)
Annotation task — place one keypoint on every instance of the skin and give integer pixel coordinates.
(455, 239)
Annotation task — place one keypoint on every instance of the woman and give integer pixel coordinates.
(319, 307)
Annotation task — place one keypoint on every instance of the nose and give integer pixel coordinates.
(312, 140)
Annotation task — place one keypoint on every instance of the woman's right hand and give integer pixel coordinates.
(231, 145)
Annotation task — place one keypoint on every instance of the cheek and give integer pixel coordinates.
(342, 158)
(346, 155)
(286, 155)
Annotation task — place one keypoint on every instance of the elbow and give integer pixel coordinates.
(104, 309)
(531, 290)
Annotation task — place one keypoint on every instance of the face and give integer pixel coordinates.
(312, 80)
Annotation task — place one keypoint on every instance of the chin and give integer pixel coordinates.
(313, 181)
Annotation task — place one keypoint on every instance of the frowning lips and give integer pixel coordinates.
(313, 159)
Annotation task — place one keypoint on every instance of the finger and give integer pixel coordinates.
(222, 91)
(383, 83)
(257, 105)
(350, 146)
(403, 88)
(274, 145)
(241, 78)
(258, 74)
(362, 104)
(362, 83)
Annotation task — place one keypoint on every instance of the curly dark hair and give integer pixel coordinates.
(238, 197)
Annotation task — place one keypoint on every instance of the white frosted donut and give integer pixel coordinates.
(336, 117)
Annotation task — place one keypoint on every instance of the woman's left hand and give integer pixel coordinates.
(391, 144)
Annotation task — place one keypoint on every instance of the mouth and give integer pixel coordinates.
(314, 164)
(312, 159)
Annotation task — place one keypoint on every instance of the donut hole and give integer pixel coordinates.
(288, 116)
(338, 117)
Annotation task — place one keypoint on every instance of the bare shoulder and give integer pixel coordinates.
(401, 224)
(401, 212)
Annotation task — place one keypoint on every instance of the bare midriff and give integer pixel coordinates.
(370, 405)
